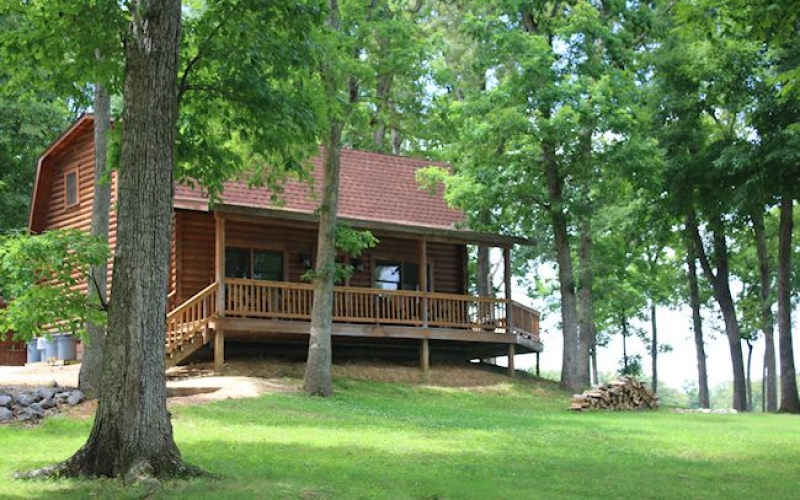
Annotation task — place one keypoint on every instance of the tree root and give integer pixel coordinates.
(141, 472)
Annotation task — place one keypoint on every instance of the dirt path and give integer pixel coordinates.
(183, 386)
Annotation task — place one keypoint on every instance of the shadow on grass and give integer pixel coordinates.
(399, 442)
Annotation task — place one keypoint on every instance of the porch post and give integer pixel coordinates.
(509, 313)
(425, 358)
(219, 261)
(507, 282)
(423, 279)
(219, 264)
(219, 350)
(511, 351)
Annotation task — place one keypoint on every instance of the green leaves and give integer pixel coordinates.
(44, 279)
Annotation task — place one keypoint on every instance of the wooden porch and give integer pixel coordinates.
(257, 310)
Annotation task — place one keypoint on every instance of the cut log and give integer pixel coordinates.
(625, 393)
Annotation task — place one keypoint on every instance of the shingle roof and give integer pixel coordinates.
(372, 187)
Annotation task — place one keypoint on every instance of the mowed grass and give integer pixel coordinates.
(397, 441)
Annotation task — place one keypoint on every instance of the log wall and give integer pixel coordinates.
(195, 235)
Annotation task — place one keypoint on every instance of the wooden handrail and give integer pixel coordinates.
(191, 319)
(293, 301)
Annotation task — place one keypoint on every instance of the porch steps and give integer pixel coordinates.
(189, 346)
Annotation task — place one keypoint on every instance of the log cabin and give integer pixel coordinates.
(236, 265)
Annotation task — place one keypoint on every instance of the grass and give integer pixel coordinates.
(402, 441)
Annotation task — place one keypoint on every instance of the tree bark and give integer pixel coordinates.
(770, 380)
(722, 293)
(586, 327)
(132, 432)
(92, 362)
(654, 346)
(484, 272)
(317, 379)
(697, 326)
(570, 370)
(790, 403)
(624, 325)
(748, 372)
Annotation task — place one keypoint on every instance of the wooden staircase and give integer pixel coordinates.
(190, 325)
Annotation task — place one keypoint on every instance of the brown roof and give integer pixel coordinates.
(373, 187)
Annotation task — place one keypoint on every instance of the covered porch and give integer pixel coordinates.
(383, 316)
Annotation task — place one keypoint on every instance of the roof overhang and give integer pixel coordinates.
(431, 233)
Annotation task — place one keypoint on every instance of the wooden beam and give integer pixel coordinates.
(267, 327)
(219, 243)
(219, 350)
(390, 228)
(425, 358)
(511, 352)
(422, 258)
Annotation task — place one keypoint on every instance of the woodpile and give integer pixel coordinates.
(625, 393)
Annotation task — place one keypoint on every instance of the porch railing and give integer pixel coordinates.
(191, 318)
(285, 300)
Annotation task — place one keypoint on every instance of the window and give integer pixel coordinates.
(398, 276)
(71, 188)
(253, 264)
(387, 276)
(267, 265)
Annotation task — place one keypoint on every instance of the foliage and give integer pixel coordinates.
(27, 124)
(41, 275)
(250, 103)
(399, 441)
(350, 242)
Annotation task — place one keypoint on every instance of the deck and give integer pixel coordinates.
(280, 312)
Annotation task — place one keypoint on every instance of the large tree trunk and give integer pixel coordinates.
(697, 326)
(789, 397)
(570, 370)
(132, 432)
(92, 363)
(317, 379)
(770, 381)
(586, 326)
(722, 293)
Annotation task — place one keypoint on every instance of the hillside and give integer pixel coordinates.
(484, 437)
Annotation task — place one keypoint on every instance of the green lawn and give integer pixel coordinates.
(394, 441)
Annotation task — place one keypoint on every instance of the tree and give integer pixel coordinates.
(122, 442)
(538, 137)
(28, 120)
(697, 324)
(41, 277)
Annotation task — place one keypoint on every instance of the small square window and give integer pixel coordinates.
(71, 188)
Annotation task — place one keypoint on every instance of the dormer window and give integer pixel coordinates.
(71, 188)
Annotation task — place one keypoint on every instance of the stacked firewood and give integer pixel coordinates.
(625, 393)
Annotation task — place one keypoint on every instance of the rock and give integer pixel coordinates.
(46, 392)
(75, 398)
(62, 395)
(5, 414)
(48, 403)
(26, 398)
(5, 400)
(30, 413)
